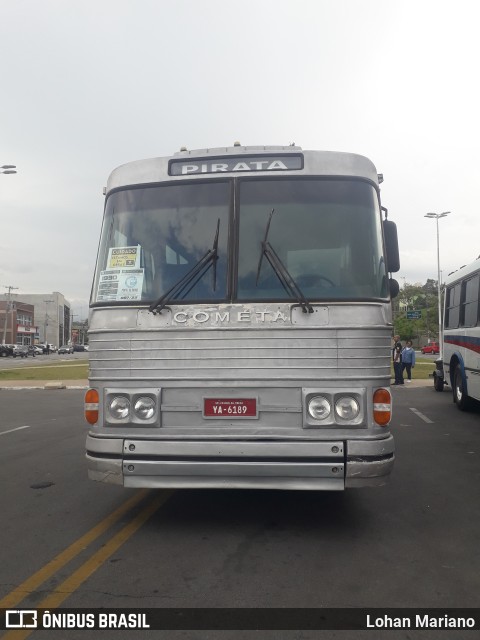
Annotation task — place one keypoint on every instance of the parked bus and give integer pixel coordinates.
(240, 323)
(459, 365)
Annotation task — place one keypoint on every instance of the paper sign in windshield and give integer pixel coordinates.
(120, 284)
(124, 257)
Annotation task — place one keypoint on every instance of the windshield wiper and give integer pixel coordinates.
(192, 277)
(281, 271)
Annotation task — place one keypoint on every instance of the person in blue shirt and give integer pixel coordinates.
(408, 359)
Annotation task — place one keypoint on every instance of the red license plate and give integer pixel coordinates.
(230, 408)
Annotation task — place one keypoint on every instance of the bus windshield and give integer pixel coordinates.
(326, 232)
(162, 232)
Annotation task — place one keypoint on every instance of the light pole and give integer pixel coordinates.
(47, 302)
(437, 217)
(72, 316)
(7, 309)
(8, 168)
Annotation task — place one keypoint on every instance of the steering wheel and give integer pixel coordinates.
(312, 280)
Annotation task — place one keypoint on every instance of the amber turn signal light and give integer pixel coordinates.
(91, 406)
(382, 407)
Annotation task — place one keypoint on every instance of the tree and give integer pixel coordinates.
(417, 297)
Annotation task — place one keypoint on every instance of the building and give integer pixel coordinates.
(52, 316)
(17, 322)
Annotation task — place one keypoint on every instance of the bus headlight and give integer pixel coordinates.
(319, 408)
(144, 408)
(119, 407)
(347, 408)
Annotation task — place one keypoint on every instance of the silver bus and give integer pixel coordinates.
(240, 323)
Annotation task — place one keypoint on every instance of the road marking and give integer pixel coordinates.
(30, 584)
(421, 415)
(2, 433)
(71, 584)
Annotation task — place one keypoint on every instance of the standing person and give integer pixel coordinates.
(408, 359)
(397, 360)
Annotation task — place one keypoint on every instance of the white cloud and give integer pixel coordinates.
(89, 86)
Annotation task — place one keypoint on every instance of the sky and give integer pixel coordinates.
(87, 86)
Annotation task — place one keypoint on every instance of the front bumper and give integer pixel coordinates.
(252, 464)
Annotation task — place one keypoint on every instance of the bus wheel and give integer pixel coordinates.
(438, 383)
(459, 394)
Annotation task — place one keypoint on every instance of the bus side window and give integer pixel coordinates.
(453, 306)
(469, 313)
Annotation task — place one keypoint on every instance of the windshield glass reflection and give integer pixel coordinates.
(163, 232)
(326, 233)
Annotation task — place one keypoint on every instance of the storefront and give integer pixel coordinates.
(17, 322)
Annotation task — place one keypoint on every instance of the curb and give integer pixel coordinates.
(24, 385)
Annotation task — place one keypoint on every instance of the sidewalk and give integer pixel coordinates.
(414, 383)
(19, 385)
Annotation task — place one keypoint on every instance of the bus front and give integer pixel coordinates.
(240, 324)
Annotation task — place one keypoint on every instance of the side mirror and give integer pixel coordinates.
(394, 288)
(391, 246)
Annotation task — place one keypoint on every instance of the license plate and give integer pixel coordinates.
(230, 407)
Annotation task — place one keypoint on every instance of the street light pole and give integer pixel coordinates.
(47, 302)
(8, 168)
(437, 216)
(7, 309)
(72, 316)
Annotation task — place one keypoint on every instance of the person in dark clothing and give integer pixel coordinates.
(397, 360)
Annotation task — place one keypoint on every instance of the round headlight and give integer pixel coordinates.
(319, 408)
(119, 407)
(347, 408)
(144, 408)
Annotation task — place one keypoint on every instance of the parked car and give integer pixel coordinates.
(53, 348)
(33, 350)
(65, 348)
(79, 347)
(6, 350)
(38, 349)
(20, 351)
(431, 347)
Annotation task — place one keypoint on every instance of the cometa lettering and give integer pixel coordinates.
(220, 317)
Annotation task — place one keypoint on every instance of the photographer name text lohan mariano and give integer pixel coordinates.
(420, 621)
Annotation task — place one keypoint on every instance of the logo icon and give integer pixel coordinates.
(20, 619)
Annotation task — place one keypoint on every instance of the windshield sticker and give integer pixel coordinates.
(120, 284)
(124, 257)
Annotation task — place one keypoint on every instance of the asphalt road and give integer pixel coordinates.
(413, 543)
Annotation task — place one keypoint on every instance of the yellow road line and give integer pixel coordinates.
(71, 584)
(30, 584)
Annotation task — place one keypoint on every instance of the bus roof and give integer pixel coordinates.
(463, 272)
(242, 161)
